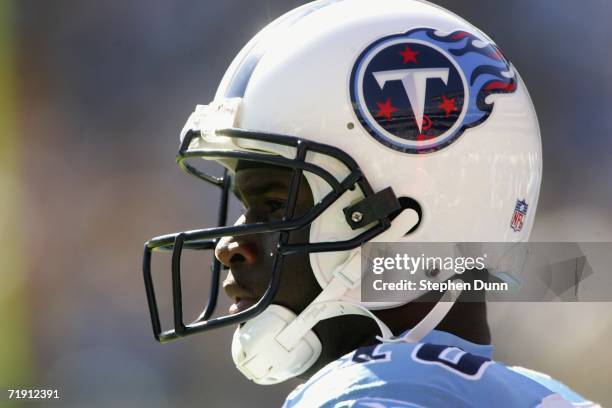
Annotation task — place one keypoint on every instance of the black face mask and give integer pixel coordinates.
(375, 209)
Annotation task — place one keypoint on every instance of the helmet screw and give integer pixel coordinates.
(356, 216)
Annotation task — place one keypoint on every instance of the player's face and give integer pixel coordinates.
(263, 192)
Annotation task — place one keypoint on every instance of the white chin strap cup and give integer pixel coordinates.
(264, 360)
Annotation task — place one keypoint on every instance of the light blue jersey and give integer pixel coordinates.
(441, 371)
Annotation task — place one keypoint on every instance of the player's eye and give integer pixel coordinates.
(275, 205)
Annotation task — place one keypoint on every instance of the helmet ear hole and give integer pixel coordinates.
(405, 203)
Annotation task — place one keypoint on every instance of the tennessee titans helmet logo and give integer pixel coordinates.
(419, 91)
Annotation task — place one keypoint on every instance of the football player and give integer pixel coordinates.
(346, 122)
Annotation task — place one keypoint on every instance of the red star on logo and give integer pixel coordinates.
(409, 55)
(385, 109)
(448, 105)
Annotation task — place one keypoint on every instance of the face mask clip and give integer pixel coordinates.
(372, 208)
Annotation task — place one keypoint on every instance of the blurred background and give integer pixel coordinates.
(92, 97)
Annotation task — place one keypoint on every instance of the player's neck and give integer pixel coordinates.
(468, 321)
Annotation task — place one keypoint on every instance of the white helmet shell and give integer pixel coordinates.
(305, 75)
(300, 86)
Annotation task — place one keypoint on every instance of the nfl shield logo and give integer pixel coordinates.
(518, 217)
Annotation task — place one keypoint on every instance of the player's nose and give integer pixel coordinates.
(230, 251)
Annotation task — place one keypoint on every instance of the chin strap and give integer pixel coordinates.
(429, 322)
(328, 304)
(346, 277)
(277, 345)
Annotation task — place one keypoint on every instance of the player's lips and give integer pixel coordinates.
(243, 298)
(241, 304)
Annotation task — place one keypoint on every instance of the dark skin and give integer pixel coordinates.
(263, 192)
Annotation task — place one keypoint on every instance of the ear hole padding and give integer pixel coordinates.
(407, 202)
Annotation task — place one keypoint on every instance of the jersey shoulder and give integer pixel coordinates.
(427, 374)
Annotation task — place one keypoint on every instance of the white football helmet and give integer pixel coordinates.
(402, 99)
